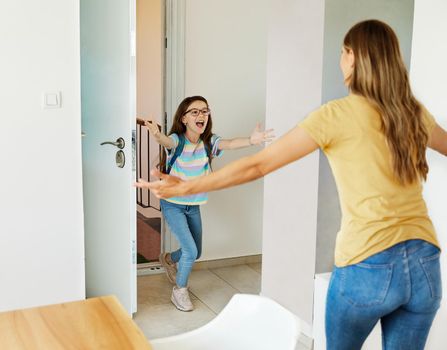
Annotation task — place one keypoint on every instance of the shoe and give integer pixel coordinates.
(180, 298)
(169, 266)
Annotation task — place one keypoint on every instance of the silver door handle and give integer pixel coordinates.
(119, 143)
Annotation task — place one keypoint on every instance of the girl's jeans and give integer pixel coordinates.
(400, 286)
(186, 225)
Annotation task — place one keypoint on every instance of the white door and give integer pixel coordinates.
(108, 113)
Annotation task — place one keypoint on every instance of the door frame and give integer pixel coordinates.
(174, 81)
(174, 13)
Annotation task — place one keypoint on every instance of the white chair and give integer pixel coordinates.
(247, 322)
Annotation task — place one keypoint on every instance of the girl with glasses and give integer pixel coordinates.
(190, 147)
(387, 252)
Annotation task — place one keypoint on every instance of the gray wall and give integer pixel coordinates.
(340, 15)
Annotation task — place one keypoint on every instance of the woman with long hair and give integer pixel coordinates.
(387, 253)
(190, 147)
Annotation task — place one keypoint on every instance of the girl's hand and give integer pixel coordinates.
(259, 136)
(150, 124)
(169, 186)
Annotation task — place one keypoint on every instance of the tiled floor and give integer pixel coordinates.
(210, 291)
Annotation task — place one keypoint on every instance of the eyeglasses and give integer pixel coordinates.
(196, 112)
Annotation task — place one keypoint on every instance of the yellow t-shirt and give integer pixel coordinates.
(377, 212)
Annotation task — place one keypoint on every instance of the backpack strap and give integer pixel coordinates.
(178, 151)
(208, 154)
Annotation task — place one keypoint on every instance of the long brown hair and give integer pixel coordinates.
(179, 128)
(379, 74)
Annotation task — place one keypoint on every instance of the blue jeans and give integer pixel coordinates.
(186, 225)
(400, 286)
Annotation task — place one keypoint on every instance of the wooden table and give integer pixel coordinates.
(97, 323)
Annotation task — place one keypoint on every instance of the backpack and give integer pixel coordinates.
(179, 150)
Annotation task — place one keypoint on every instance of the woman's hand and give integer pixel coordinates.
(168, 186)
(259, 136)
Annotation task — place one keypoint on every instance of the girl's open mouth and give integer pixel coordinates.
(200, 124)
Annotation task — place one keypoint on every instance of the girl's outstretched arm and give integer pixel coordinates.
(290, 147)
(438, 140)
(161, 138)
(257, 137)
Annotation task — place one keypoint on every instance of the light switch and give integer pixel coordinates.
(52, 99)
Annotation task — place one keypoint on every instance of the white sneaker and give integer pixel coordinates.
(169, 266)
(180, 298)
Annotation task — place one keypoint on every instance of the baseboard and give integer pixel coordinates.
(155, 267)
(306, 341)
(240, 260)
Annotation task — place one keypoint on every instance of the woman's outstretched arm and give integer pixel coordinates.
(292, 146)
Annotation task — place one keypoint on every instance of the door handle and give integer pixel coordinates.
(119, 143)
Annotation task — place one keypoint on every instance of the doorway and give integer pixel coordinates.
(221, 55)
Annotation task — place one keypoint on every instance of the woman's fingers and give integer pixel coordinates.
(142, 184)
(166, 187)
(157, 173)
(154, 187)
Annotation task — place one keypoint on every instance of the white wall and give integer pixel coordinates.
(41, 225)
(294, 75)
(225, 61)
(428, 76)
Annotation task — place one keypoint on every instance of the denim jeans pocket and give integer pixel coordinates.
(432, 270)
(365, 284)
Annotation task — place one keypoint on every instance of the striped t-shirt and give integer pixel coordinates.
(192, 163)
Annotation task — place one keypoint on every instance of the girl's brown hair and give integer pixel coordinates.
(179, 128)
(380, 75)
